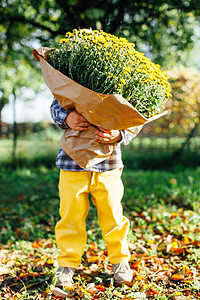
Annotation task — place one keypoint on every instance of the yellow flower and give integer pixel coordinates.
(123, 81)
(128, 66)
(63, 41)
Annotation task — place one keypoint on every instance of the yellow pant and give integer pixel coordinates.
(106, 190)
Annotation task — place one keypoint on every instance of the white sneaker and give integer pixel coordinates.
(64, 277)
(122, 273)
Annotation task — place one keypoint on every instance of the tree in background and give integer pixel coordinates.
(163, 27)
(183, 107)
(14, 78)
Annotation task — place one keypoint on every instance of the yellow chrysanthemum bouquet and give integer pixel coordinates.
(110, 65)
(107, 81)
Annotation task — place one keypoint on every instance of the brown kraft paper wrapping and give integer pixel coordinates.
(107, 111)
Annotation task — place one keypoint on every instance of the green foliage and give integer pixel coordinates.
(157, 26)
(15, 52)
(16, 75)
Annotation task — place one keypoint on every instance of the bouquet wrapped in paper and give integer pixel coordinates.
(107, 81)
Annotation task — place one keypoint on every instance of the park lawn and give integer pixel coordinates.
(164, 212)
(144, 153)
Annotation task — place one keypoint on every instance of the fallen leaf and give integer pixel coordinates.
(94, 259)
(85, 276)
(118, 294)
(48, 243)
(177, 250)
(186, 240)
(188, 281)
(153, 291)
(23, 275)
(50, 261)
(157, 260)
(188, 293)
(185, 270)
(37, 244)
(100, 287)
(103, 257)
(136, 265)
(60, 293)
(4, 271)
(188, 298)
(92, 246)
(33, 274)
(178, 293)
(177, 277)
(139, 277)
(28, 286)
(195, 243)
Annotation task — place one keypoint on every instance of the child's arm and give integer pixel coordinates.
(112, 136)
(71, 118)
(107, 136)
(67, 118)
(59, 114)
(76, 121)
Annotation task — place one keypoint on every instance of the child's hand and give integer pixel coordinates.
(76, 121)
(107, 136)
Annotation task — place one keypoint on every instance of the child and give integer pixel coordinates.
(103, 182)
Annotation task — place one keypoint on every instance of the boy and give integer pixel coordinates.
(103, 182)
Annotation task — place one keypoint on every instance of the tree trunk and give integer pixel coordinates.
(191, 134)
(14, 131)
(0, 125)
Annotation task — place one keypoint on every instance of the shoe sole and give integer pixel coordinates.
(61, 293)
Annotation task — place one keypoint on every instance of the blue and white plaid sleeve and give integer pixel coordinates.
(59, 114)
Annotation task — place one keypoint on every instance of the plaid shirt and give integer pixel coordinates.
(65, 162)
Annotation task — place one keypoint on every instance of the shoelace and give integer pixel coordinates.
(122, 268)
(66, 270)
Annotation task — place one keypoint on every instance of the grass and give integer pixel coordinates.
(163, 208)
(157, 153)
(34, 150)
(29, 198)
(142, 153)
(164, 211)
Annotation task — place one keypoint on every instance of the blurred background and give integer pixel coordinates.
(161, 163)
(168, 32)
